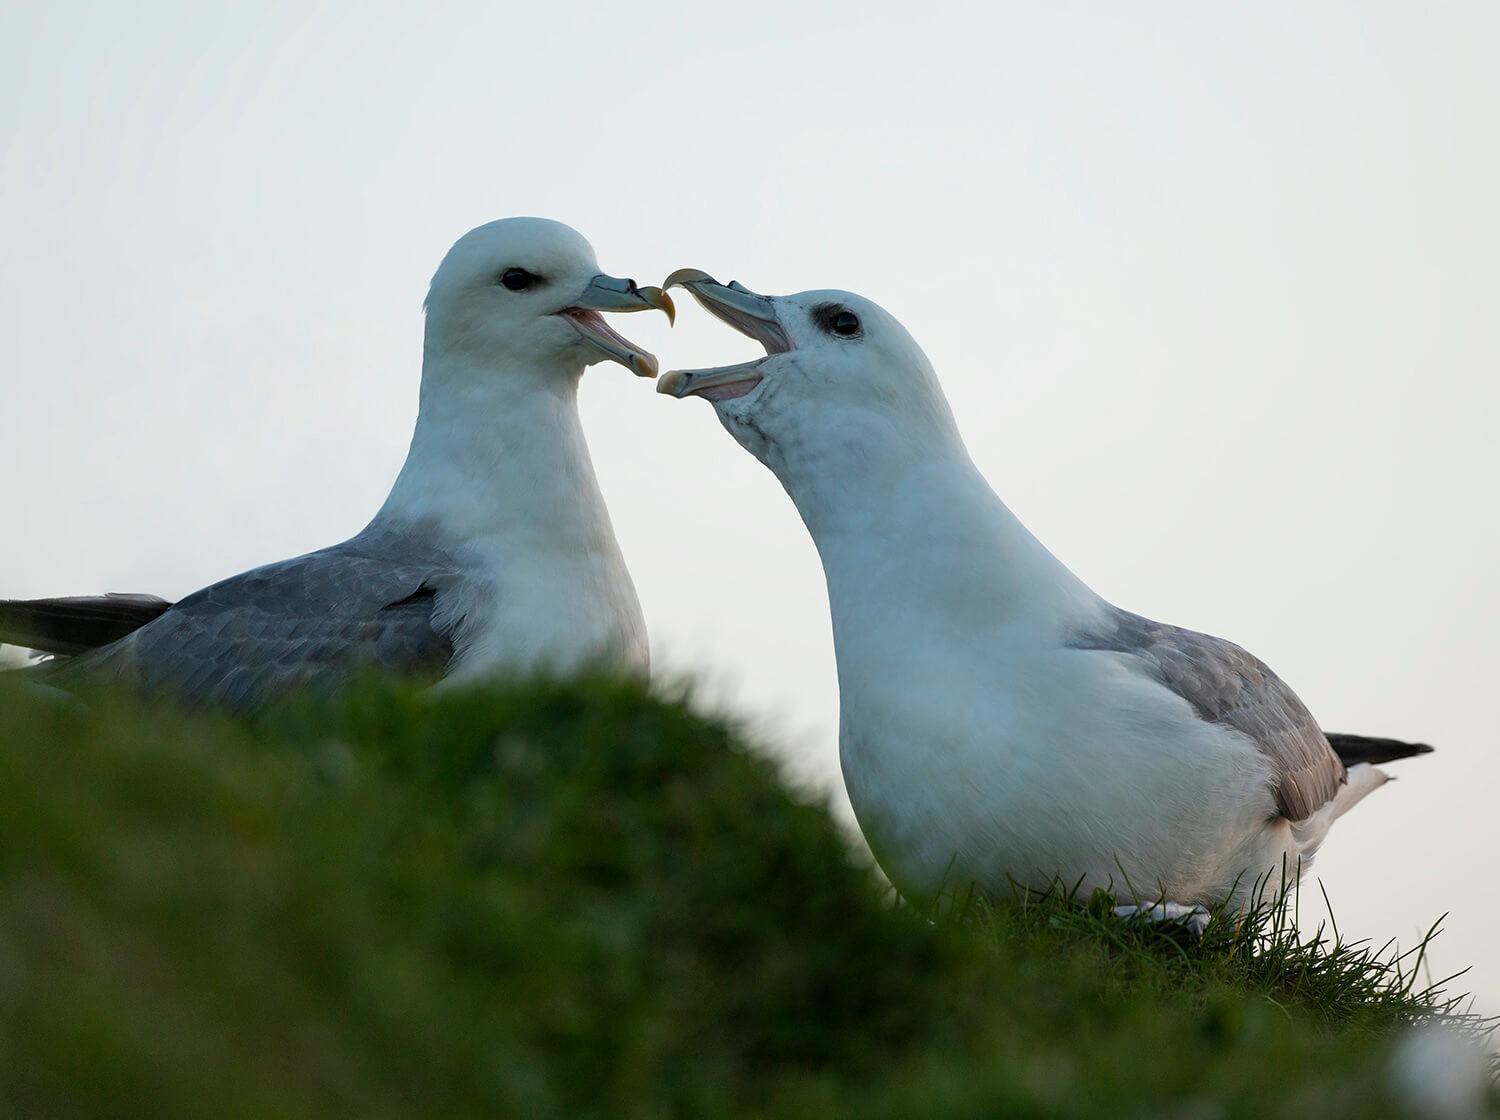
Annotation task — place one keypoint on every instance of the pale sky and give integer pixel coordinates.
(1212, 291)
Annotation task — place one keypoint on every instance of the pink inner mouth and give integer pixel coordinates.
(727, 392)
(596, 324)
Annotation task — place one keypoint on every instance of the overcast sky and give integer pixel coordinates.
(1213, 293)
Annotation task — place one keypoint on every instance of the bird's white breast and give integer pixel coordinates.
(994, 763)
(557, 611)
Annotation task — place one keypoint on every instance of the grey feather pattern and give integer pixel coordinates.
(1226, 684)
(375, 600)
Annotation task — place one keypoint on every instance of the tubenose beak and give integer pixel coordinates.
(747, 312)
(610, 293)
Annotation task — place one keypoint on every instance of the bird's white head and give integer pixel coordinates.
(524, 295)
(841, 376)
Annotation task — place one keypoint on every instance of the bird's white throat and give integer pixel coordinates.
(916, 529)
(499, 472)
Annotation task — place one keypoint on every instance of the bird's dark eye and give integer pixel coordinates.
(837, 320)
(517, 279)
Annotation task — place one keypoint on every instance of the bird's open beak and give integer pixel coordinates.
(609, 293)
(750, 314)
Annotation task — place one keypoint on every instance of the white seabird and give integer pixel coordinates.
(493, 553)
(1001, 725)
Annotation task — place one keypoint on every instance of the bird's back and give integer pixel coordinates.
(311, 621)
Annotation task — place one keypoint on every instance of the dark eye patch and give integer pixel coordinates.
(518, 279)
(837, 320)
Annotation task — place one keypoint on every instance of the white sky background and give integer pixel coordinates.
(1213, 294)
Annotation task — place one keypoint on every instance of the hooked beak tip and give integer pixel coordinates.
(659, 299)
(685, 276)
(672, 383)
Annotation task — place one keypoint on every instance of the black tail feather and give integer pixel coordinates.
(75, 624)
(1364, 748)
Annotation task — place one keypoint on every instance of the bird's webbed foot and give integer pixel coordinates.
(1193, 919)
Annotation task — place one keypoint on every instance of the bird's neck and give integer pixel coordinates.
(909, 531)
(499, 455)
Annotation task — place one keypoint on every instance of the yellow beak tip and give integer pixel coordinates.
(662, 302)
(685, 276)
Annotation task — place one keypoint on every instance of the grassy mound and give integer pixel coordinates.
(580, 901)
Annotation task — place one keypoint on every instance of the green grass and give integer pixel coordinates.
(580, 901)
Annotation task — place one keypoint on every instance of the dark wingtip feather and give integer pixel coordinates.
(1353, 749)
(75, 624)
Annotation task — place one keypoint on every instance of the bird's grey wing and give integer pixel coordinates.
(310, 621)
(1226, 684)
